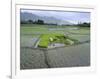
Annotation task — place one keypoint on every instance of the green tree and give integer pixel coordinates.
(39, 21)
(30, 21)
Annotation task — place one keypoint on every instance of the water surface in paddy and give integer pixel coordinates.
(54, 29)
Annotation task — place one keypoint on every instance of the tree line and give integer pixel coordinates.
(33, 22)
(39, 21)
(85, 24)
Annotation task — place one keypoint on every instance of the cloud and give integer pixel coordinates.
(74, 17)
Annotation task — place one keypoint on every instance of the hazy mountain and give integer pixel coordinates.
(24, 16)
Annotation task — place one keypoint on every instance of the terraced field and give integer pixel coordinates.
(68, 56)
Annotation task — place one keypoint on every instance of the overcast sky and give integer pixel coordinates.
(73, 17)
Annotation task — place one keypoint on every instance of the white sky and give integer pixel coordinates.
(73, 17)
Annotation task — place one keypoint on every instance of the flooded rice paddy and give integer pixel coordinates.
(67, 56)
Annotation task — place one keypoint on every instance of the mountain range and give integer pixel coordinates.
(25, 16)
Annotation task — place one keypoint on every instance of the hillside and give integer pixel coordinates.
(25, 16)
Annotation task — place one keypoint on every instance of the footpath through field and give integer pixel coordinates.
(72, 56)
